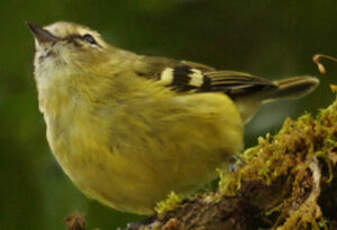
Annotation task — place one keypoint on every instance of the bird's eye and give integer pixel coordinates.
(89, 38)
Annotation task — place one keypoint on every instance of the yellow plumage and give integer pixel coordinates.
(126, 132)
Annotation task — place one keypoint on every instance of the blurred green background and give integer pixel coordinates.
(269, 38)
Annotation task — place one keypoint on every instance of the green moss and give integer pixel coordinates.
(173, 200)
(288, 155)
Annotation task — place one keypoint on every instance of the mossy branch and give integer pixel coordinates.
(288, 181)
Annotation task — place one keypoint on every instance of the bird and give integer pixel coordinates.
(128, 129)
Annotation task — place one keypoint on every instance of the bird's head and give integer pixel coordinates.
(65, 46)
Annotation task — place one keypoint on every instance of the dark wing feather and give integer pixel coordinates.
(236, 84)
(187, 77)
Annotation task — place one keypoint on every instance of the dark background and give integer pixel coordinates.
(269, 38)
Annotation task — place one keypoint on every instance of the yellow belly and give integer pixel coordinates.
(139, 163)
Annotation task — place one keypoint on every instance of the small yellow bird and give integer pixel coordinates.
(129, 129)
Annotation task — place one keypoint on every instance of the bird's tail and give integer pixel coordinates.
(249, 99)
(239, 85)
(292, 88)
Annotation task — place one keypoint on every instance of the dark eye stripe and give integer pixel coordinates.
(73, 38)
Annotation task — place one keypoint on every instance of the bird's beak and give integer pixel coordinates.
(41, 35)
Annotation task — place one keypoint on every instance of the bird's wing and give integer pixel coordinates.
(187, 77)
